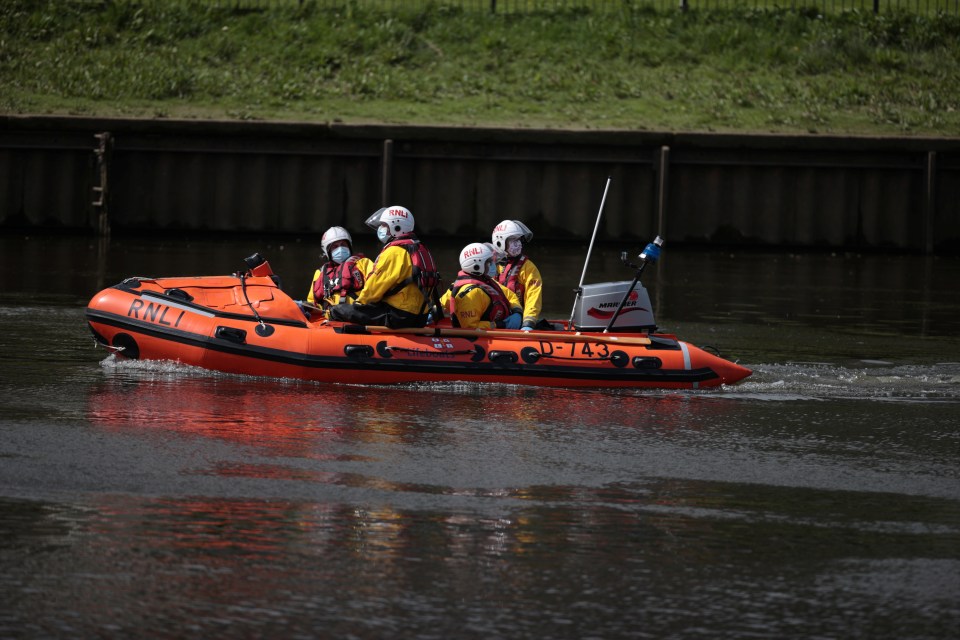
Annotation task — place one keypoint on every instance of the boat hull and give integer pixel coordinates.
(251, 327)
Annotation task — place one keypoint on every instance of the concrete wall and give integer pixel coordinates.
(735, 190)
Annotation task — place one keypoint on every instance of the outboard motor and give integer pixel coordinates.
(622, 306)
(599, 302)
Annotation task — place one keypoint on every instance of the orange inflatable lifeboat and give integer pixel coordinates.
(245, 324)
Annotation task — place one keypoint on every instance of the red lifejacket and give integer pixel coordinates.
(345, 279)
(497, 310)
(510, 276)
(425, 273)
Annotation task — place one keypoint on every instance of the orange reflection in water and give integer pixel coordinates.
(281, 417)
(319, 422)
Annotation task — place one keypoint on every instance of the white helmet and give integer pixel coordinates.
(497, 254)
(474, 257)
(397, 218)
(334, 234)
(510, 229)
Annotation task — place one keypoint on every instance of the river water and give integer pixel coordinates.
(818, 499)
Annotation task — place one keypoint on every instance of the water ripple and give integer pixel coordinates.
(872, 381)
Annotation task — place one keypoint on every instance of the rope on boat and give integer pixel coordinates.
(263, 330)
(97, 343)
(553, 357)
(461, 352)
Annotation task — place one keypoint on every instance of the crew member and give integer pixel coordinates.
(343, 275)
(404, 277)
(475, 300)
(516, 271)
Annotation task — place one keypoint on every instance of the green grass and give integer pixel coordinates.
(634, 68)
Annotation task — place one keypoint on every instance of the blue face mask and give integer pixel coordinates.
(340, 254)
(492, 269)
(383, 234)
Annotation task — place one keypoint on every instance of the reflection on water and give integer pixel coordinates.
(821, 498)
(560, 566)
(427, 440)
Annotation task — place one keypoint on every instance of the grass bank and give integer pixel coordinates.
(637, 68)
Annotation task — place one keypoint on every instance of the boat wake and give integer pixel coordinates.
(155, 369)
(874, 380)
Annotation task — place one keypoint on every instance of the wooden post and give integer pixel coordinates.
(386, 176)
(105, 144)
